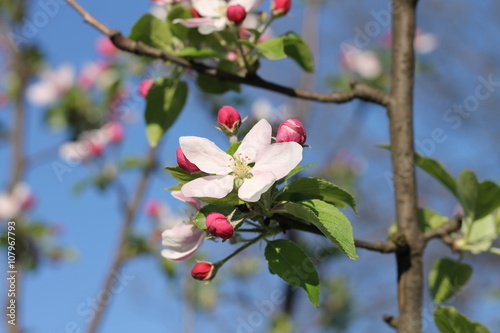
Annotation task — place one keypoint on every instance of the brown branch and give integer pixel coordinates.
(391, 321)
(119, 258)
(444, 230)
(409, 260)
(358, 90)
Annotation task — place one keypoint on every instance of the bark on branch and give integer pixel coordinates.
(358, 90)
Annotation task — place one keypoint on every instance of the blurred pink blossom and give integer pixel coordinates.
(364, 63)
(105, 47)
(12, 204)
(52, 85)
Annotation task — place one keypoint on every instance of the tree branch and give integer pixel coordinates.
(409, 260)
(444, 230)
(358, 90)
(130, 212)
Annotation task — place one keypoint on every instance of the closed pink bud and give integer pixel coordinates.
(291, 130)
(195, 14)
(281, 7)
(219, 226)
(184, 163)
(144, 87)
(203, 271)
(96, 149)
(236, 14)
(229, 120)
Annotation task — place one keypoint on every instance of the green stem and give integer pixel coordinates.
(251, 242)
(268, 23)
(240, 48)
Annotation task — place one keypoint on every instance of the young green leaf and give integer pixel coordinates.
(297, 49)
(479, 235)
(447, 277)
(292, 264)
(191, 52)
(164, 103)
(468, 190)
(295, 171)
(152, 31)
(329, 220)
(273, 49)
(449, 320)
(437, 170)
(316, 188)
(181, 175)
(488, 199)
(429, 219)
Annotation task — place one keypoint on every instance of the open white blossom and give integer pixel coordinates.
(52, 85)
(253, 169)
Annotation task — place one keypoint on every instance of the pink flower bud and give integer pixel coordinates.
(291, 130)
(96, 149)
(219, 226)
(184, 163)
(28, 202)
(281, 7)
(153, 208)
(115, 132)
(229, 120)
(236, 14)
(144, 87)
(195, 13)
(203, 271)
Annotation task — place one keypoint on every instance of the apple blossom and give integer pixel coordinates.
(184, 163)
(181, 239)
(203, 271)
(291, 130)
(53, 84)
(236, 14)
(364, 63)
(213, 14)
(219, 226)
(13, 203)
(252, 170)
(114, 130)
(153, 208)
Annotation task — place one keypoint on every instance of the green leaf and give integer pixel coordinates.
(329, 220)
(152, 31)
(468, 190)
(183, 176)
(229, 200)
(297, 49)
(449, 320)
(178, 11)
(233, 148)
(316, 188)
(213, 85)
(295, 171)
(488, 199)
(429, 219)
(272, 48)
(164, 103)
(191, 52)
(291, 263)
(447, 277)
(479, 235)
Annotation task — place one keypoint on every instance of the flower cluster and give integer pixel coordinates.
(251, 170)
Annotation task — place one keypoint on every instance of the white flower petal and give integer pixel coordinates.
(194, 22)
(216, 25)
(9, 207)
(252, 188)
(279, 158)
(249, 5)
(209, 187)
(181, 237)
(256, 140)
(188, 250)
(205, 155)
(209, 8)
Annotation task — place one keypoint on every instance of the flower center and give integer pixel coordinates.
(241, 167)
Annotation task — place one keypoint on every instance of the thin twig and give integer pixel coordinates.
(358, 90)
(119, 258)
(444, 230)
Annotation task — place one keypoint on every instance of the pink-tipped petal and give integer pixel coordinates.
(256, 140)
(192, 201)
(205, 155)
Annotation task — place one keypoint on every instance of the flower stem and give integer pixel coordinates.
(251, 242)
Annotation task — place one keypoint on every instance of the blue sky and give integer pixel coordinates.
(57, 295)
